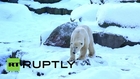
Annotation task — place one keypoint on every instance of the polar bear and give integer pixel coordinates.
(81, 40)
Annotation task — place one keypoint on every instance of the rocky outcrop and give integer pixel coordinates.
(47, 1)
(109, 40)
(11, 1)
(130, 1)
(56, 11)
(107, 24)
(112, 40)
(61, 35)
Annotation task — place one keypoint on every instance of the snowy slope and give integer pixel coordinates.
(11, 15)
(121, 63)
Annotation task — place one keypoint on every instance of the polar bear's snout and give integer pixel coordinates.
(74, 51)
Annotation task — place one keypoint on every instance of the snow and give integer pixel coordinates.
(120, 63)
(99, 73)
(129, 34)
(7, 12)
(86, 12)
(111, 12)
(129, 13)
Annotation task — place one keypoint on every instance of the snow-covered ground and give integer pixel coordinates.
(120, 63)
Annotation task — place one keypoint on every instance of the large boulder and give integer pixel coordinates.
(61, 35)
(47, 1)
(130, 1)
(50, 10)
(11, 1)
(112, 40)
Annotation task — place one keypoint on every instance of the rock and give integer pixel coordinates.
(138, 1)
(60, 11)
(39, 74)
(61, 35)
(4, 72)
(125, 69)
(112, 40)
(70, 73)
(47, 1)
(129, 1)
(107, 24)
(11, 1)
(4, 0)
(0, 64)
(14, 53)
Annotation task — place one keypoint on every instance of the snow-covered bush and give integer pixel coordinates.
(14, 12)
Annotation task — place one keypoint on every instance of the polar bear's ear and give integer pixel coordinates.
(81, 43)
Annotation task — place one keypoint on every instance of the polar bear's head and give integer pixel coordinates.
(76, 46)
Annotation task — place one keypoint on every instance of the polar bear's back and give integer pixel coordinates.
(88, 30)
(80, 31)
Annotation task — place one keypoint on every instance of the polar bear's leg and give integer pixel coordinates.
(83, 52)
(72, 56)
(91, 50)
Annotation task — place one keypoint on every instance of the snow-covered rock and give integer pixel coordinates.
(85, 12)
(47, 1)
(112, 40)
(113, 1)
(50, 10)
(61, 35)
(14, 12)
(119, 14)
(11, 1)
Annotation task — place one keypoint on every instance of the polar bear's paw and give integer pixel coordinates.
(83, 62)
